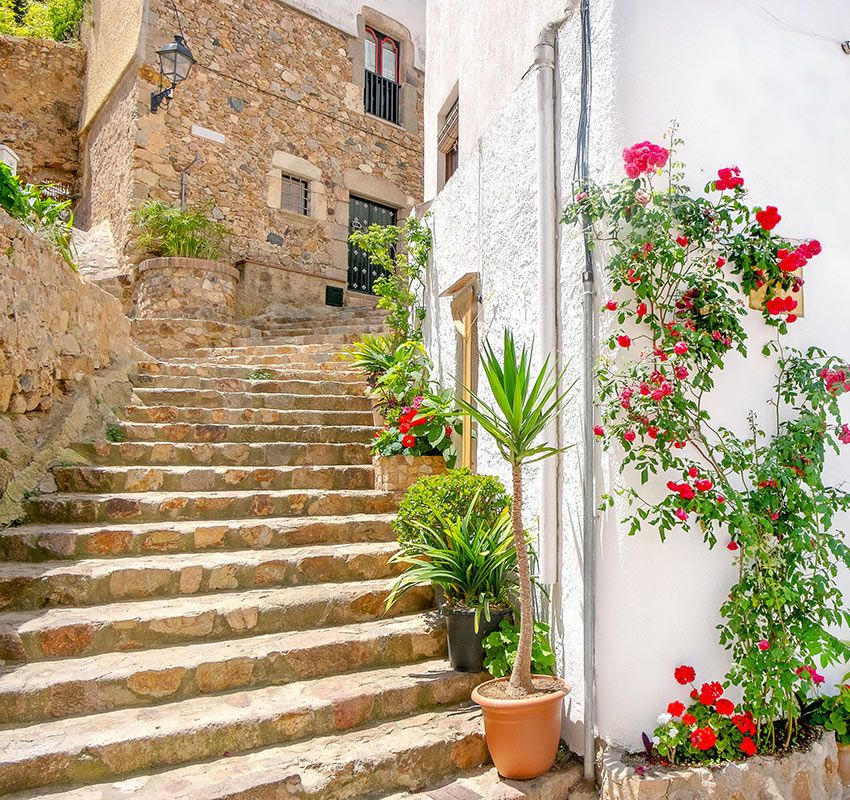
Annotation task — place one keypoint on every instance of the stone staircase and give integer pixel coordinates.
(198, 611)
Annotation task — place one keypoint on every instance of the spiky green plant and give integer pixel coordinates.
(171, 231)
(525, 404)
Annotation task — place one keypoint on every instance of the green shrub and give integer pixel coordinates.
(260, 375)
(115, 433)
(833, 713)
(171, 231)
(500, 650)
(42, 19)
(447, 496)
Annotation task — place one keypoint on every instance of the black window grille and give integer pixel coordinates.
(294, 195)
(382, 90)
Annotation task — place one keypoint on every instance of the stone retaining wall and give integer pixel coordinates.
(163, 338)
(809, 775)
(185, 288)
(399, 473)
(56, 328)
(40, 107)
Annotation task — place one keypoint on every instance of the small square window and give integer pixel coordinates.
(294, 195)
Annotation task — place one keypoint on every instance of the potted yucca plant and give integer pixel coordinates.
(522, 714)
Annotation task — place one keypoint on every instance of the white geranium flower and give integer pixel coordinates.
(664, 718)
(656, 740)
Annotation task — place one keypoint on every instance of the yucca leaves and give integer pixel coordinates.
(524, 405)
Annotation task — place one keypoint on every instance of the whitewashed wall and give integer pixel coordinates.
(745, 90)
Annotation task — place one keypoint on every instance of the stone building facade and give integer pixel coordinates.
(270, 132)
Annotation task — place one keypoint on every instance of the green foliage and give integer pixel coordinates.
(447, 496)
(372, 354)
(168, 230)
(681, 265)
(260, 375)
(115, 433)
(833, 714)
(500, 650)
(525, 404)
(49, 219)
(42, 19)
(470, 557)
(402, 252)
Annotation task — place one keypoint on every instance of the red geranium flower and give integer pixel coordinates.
(703, 738)
(676, 708)
(684, 674)
(408, 441)
(710, 692)
(748, 746)
(689, 719)
(724, 707)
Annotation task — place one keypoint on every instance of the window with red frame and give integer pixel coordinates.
(381, 90)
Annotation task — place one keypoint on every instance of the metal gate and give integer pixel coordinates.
(362, 273)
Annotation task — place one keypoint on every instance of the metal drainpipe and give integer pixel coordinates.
(547, 215)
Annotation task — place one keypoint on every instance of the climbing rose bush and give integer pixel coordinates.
(709, 728)
(679, 267)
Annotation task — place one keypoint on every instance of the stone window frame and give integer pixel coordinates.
(408, 76)
(284, 163)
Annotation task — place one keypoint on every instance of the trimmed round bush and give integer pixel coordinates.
(447, 495)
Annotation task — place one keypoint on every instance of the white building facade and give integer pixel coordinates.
(764, 85)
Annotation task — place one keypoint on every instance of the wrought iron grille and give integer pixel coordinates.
(294, 195)
(362, 273)
(381, 97)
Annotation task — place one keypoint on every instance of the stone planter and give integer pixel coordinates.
(844, 763)
(398, 473)
(185, 288)
(803, 775)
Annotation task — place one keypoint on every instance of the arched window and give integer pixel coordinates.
(371, 45)
(389, 59)
(382, 85)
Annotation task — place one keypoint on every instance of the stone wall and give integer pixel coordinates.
(185, 288)
(55, 328)
(40, 99)
(280, 88)
(399, 473)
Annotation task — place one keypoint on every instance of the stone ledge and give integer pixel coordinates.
(801, 775)
(398, 473)
(175, 262)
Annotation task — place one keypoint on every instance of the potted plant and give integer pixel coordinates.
(501, 645)
(472, 559)
(522, 714)
(833, 714)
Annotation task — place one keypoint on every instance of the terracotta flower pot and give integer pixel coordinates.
(844, 763)
(522, 735)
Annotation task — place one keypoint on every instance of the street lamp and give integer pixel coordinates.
(175, 61)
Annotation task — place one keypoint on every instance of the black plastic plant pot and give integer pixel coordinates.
(466, 653)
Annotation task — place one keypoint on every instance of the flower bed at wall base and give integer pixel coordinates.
(679, 266)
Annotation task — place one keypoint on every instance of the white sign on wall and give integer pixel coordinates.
(206, 133)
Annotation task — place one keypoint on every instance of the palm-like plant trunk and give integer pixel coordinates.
(520, 684)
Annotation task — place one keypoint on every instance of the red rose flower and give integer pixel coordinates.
(703, 738)
(676, 708)
(733, 546)
(748, 746)
(624, 341)
(680, 348)
(629, 435)
(704, 485)
(598, 430)
(641, 310)
(769, 218)
(682, 241)
(720, 263)
(611, 305)
(408, 441)
(684, 674)
(724, 707)
(693, 472)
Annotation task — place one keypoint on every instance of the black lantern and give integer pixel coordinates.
(175, 61)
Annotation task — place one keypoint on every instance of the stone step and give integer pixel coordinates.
(562, 782)
(264, 356)
(104, 479)
(263, 454)
(73, 632)
(241, 386)
(50, 542)
(262, 348)
(337, 370)
(212, 398)
(115, 743)
(244, 416)
(310, 328)
(154, 506)
(340, 340)
(203, 432)
(39, 691)
(48, 584)
(350, 765)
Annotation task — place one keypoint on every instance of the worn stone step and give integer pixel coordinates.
(243, 416)
(102, 479)
(115, 743)
(339, 340)
(562, 782)
(327, 386)
(262, 454)
(265, 356)
(39, 691)
(255, 347)
(402, 754)
(203, 432)
(337, 370)
(153, 506)
(49, 542)
(212, 398)
(62, 583)
(73, 632)
(362, 325)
